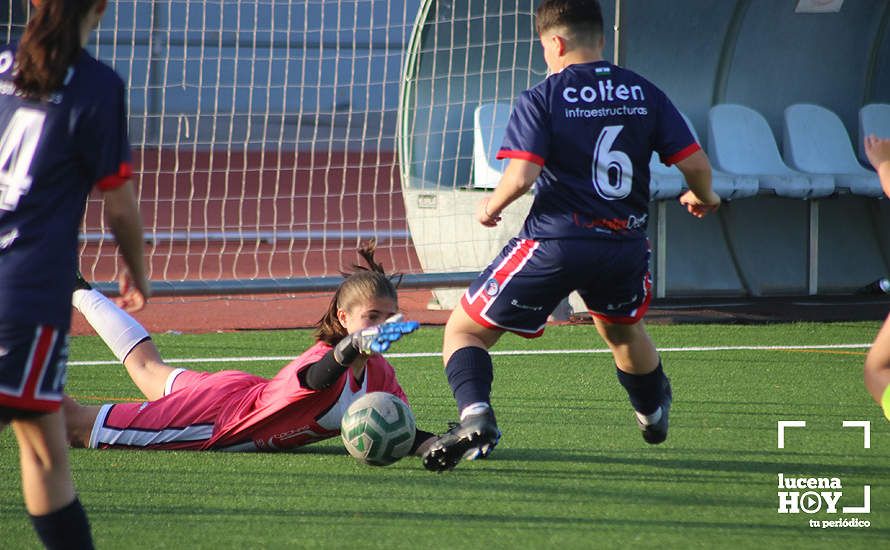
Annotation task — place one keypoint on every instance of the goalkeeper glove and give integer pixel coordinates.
(373, 340)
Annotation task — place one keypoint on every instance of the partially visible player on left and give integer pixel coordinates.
(63, 131)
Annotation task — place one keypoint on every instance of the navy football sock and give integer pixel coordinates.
(646, 391)
(67, 527)
(469, 372)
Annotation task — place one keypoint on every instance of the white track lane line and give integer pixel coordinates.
(691, 349)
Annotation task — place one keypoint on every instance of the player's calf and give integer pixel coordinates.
(79, 420)
(655, 425)
(650, 396)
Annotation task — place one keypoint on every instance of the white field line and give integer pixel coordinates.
(505, 352)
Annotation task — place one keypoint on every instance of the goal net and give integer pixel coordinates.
(272, 137)
(263, 134)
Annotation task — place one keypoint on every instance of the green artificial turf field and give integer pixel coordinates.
(571, 470)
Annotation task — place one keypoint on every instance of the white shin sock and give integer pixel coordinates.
(116, 327)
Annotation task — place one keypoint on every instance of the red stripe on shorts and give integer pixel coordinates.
(37, 363)
(476, 305)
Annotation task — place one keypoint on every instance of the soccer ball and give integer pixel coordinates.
(378, 429)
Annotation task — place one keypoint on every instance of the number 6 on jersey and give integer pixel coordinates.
(606, 159)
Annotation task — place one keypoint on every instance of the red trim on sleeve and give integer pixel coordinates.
(113, 181)
(681, 154)
(523, 155)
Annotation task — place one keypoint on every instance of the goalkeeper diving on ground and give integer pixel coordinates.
(238, 411)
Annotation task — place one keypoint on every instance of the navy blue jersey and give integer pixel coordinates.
(52, 153)
(593, 128)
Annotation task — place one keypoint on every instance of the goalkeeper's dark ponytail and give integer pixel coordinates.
(364, 283)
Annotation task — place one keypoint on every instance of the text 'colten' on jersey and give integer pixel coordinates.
(603, 91)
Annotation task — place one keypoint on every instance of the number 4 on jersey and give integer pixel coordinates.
(605, 160)
(17, 147)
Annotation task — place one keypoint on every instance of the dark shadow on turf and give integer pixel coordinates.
(313, 518)
(730, 464)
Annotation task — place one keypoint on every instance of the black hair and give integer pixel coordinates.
(583, 19)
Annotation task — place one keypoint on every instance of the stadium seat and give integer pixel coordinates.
(740, 142)
(668, 182)
(873, 119)
(489, 124)
(737, 186)
(665, 182)
(816, 142)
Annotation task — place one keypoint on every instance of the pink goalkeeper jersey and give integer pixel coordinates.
(281, 414)
(235, 410)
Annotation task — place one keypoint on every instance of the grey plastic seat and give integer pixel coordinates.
(665, 182)
(816, 142)
(668, 182)
(740, 142)
(489, 124)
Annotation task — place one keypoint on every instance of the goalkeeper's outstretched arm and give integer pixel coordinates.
(334, 363)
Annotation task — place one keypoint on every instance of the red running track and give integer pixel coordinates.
(308, 201)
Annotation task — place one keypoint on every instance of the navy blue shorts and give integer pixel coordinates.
(32, 369)
(525, 283)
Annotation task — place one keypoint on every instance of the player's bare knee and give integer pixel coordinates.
(78, 422)
(462, 331)
(69, 407)
(72, 414)
(617, 334)
(871, 364)
(876, 362)
(459, 323)
(144, 355)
